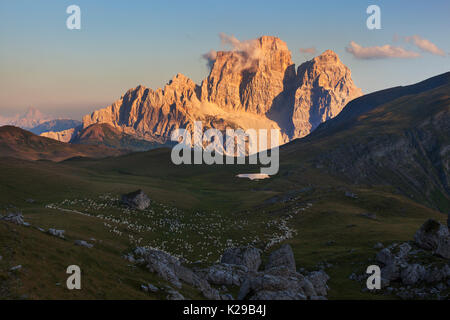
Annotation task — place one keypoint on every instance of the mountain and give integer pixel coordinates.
(398, 138)
(18, 143)
(325, 88)
(253, 86)
(63, 136)
(106, 135)
(55, 126)
(29, 119)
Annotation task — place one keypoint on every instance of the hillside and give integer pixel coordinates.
(55, 126)
(397, 137)
(18, 143)
(105, 135)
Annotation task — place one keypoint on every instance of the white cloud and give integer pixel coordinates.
(380, 52)
(311, 50)
(425, 45)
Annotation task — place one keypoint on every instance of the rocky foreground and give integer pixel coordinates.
(418, 269)
(238, 267)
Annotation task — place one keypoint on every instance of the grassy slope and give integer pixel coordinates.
(332, 216)
(19, 143)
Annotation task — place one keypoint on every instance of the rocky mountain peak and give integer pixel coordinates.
(250, 76)
(252, 85)
(325, 87)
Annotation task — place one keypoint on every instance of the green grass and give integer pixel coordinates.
(208, 206)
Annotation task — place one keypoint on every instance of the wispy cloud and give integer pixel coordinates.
(248, 52)
(311, 50)
(425, 45)
(380, 52)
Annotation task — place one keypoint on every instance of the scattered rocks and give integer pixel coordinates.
(152, 288)
(16, 268)
(14, 217)
(83, 243)
(56, 233)
(350, 194)
(238, 267)
(137, 200)
(417, 268)
(149, 288)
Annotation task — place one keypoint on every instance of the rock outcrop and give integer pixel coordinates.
(418, 269)
(325, 87)
(14, 217)
(430, 234)
(136, 200)
(239, 267)
(248, 257)
(170, 269)
(283, 257)
(280, 280)
(253, 86)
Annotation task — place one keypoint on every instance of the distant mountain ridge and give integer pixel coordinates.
(55, 126)
(103, 134)
(31, 118)
(21, 144)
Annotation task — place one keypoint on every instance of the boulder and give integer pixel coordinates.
(385, 256)
(16, 268)
(283, 257)
(14, 217)
(436, 274)
(390, 272)
(412, 274)
(319, 280)
(225, 274)
(249, 257)
(429, 234)
(443, 248)
(83, 243)
(164, 265)
(136, 200)
(56, 233)
(283, 284)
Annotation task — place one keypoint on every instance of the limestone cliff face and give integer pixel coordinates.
(253, 86)
(325, 87)
(150, 114)
(250, 80)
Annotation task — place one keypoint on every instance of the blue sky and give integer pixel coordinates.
(122, 44)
